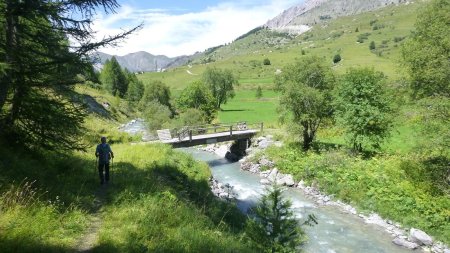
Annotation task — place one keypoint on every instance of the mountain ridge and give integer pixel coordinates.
(300, 18)
(142, 61)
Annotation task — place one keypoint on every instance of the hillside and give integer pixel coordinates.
(387, 27)
(300, 17)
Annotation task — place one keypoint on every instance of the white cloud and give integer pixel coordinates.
(180, 34)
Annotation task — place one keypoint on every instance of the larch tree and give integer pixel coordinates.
(42, 66)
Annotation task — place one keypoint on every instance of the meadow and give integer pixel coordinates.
(158, 200)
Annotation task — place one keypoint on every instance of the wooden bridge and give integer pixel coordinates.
(208, 134)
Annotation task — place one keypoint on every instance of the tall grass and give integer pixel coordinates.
(158, 201)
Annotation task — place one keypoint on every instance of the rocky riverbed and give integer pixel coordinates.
(269, 173)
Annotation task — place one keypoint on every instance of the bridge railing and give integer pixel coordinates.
(189, 131)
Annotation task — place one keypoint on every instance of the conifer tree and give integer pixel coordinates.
(37, 106)
(274, 227)
(113, 78)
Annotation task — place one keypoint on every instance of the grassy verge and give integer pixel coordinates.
(159, 201)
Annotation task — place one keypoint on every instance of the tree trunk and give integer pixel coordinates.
(10, 34)
(306, 137)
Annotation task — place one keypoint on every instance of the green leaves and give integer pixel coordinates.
(427, 53)
(113, 78)
(198, 96)
(362, 108)
(306, 95)
(274, 227)
(221, 84)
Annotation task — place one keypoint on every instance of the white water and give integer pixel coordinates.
(336, 232)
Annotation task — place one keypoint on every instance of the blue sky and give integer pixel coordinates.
(175, 27)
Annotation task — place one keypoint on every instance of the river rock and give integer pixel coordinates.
(255, 168)
(273, 175)
(301, 184)
(420, 237)
(405, 243)
(376, 219)
(287, 180)
(264, 174)
(266, 162)
(265, 181)
(263, 144)
(246, 165)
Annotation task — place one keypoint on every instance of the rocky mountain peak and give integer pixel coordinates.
(301, 17)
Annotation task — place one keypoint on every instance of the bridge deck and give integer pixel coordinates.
(211, 138)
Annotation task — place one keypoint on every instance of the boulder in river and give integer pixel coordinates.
(273, 175)
(287, 180)
(420, 237)
(405, 243)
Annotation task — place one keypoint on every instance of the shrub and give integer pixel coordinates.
(337, 58)
(372, 45)
(266, 61)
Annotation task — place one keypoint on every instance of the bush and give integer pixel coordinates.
(266, 61)
(259, 93)
(372, 45)
(337, 58)
(157, 115)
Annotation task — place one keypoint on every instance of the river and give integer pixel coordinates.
(336, 232)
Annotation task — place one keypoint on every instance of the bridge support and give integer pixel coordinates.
(238, 150)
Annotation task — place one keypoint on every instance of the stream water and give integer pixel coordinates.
(336, 232)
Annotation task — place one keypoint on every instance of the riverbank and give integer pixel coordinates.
(258, 163)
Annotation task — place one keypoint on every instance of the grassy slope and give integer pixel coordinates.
(159, 200)
(245, 57)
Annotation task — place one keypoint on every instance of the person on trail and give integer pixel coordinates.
(104, 154)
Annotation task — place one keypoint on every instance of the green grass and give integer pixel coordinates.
(246, 107)
(159, 200)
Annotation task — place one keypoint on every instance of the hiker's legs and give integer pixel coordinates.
(100, 172)
(107, 172)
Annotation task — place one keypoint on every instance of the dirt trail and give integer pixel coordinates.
(89, 239)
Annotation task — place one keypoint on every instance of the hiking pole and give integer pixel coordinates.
(96, 166)
(112, 166)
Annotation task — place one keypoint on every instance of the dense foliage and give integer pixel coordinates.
(198, 96)
(305, 89)
(135, 87)
(155, 91)
(362, 108)
(427, 52)
(221, 84)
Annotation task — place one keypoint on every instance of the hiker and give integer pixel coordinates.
(104, 154)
